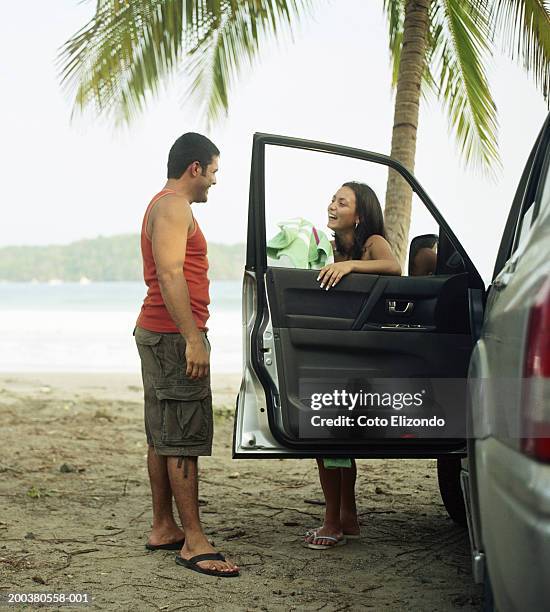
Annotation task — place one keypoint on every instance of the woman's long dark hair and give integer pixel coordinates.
(371, 220)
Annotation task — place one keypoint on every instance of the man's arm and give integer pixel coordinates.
(171, 224)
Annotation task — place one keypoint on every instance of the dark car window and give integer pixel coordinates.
(542, 200)
(517, 229)
(532, 206)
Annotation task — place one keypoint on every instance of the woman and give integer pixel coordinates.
(355, 217)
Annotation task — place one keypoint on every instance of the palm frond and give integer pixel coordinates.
(125, 52)
(525, 25)
(462, 44)
(216, 56)
(122, 54)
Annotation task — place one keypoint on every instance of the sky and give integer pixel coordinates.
(65, 180)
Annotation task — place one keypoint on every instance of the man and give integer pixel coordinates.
(174, 351)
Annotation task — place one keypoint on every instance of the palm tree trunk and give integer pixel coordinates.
(412, 64)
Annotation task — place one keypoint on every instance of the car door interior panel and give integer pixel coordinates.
(351, 333)
(435, 304)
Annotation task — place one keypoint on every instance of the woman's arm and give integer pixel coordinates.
(376, 266)
(377, 259)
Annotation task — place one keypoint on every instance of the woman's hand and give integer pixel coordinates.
(330, 275)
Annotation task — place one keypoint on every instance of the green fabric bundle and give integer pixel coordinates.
(304, 245)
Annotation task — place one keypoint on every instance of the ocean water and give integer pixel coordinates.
(73, 327)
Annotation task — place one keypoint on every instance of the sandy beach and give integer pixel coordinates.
(75, 513)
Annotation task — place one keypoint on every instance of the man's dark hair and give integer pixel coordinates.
(189, 148)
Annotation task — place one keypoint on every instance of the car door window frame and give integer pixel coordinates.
(256, 258)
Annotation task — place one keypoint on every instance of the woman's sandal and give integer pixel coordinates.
(337, 541)
(348, 536)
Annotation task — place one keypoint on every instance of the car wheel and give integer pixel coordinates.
(448, 478)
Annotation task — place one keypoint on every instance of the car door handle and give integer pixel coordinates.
(392, 307)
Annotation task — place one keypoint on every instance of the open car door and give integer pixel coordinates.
(374, 367)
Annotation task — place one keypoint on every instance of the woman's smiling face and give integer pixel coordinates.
(342, 214)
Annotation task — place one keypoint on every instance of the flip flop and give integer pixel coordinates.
(337, 542)
(348, 536)
(171, 546)
(192, 565)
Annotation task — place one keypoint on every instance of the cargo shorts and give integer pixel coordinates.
(177, 409)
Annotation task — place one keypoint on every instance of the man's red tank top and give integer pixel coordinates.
(154, 315)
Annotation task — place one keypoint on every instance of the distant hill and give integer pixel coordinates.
(112, 258)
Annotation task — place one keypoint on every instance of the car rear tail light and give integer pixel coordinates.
(536, 379)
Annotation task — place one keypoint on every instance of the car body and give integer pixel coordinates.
(507, 475)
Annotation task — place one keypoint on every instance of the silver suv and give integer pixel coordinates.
(507, 476)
